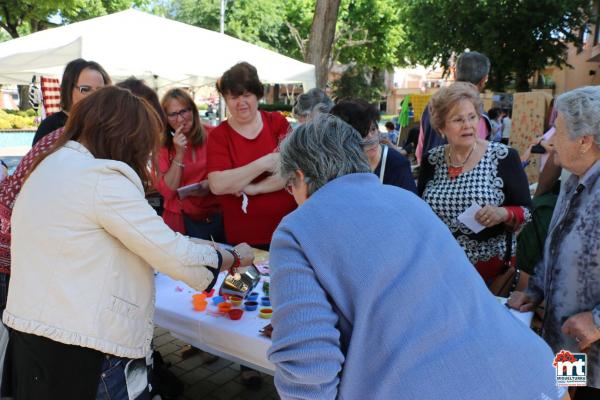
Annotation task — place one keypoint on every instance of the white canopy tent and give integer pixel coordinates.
(161, 51)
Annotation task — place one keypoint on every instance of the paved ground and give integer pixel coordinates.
(217, 381)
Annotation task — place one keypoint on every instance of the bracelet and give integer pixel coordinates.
(180, 165)
(236, 261)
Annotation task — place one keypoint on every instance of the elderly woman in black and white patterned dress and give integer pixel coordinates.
(568, 277)
(469, 170)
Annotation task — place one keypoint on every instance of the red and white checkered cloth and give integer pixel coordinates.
(50, 95)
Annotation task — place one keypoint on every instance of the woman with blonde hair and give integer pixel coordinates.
(182, 161)
(473, 171)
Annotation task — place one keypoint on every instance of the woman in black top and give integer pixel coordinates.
(472, 171)
(363, 117)
(80, 78)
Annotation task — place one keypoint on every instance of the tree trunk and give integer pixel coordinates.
(522, 84)
(276, 93)
(321, 37)
(23, 97)
(22, 89)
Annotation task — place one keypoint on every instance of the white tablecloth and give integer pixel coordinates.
(238, 341)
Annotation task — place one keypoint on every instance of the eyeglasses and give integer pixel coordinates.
(181, 113)
(470, 119)
(84, 89)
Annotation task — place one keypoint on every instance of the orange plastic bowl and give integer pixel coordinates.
(199, 297)
(235, 314)
(200, 305)
(224, 307)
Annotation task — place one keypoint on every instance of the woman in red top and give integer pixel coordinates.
(243, 159)
(182, 162)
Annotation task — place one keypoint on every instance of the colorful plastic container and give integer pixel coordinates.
(235, 314)
(265, 313)
(250, 305)
(224, 307)
(236, 300)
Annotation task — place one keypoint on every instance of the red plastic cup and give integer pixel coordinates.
(210, 294)
(235, 314)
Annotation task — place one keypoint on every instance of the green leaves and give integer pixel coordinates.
(21, 17)
(519, 36)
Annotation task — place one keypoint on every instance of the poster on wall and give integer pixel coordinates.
(529, 119)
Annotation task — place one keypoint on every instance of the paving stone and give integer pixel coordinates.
(158, 331)
(235, 366)
(162, 339)
(180, 343)
(223, 376)
(217, 381)
(264, 391)
(200, 390)
(218, 365)
(172, 358)
(177, 371)
(191, 363)
(167, 349)
(194, 376)
(228, 391)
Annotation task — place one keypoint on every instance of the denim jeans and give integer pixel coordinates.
(113, 383)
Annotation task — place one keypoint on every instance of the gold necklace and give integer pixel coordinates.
(454, 170)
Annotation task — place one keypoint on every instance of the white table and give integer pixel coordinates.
(238, 341)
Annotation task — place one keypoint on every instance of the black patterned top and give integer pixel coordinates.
(497, 179)
(568, 277)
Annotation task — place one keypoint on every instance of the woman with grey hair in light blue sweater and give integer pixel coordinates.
(366, 308)
(568, 277)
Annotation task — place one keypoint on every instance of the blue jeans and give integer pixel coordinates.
(112, 384)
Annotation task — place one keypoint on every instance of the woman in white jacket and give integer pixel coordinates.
(84, 244)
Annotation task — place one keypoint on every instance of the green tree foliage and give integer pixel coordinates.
(368, 31)
(256, 21)
(20, 17)
(519, 36)
(359, 83)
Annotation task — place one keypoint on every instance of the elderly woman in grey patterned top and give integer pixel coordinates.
(568, 277)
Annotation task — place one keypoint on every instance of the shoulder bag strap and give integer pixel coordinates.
(383, 161)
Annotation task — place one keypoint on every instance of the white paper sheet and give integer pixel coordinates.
(468, 218)
(245, 203)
